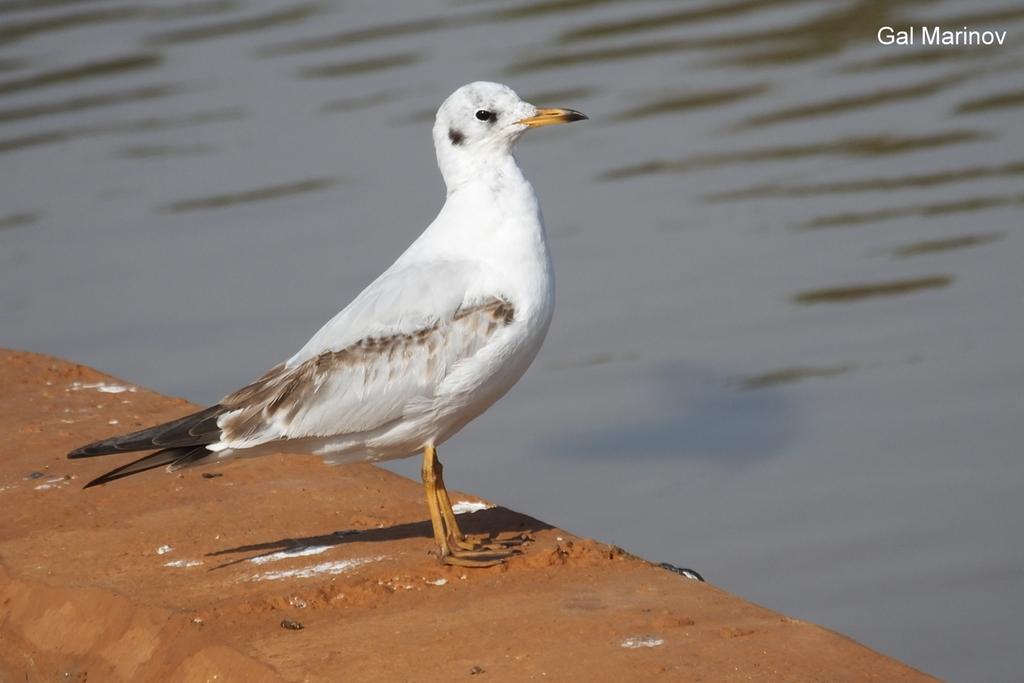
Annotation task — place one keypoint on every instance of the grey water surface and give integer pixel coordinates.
(788, 343)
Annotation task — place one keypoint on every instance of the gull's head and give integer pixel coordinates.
(482, 118)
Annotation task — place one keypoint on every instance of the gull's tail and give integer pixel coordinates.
(182, 442)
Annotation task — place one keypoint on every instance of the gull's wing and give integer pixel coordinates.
(392, 346)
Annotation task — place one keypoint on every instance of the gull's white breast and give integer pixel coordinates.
(500, 230)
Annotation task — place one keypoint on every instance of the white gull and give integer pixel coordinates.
(431, 344)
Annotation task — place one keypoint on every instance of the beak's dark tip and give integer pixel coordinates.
(577, 115)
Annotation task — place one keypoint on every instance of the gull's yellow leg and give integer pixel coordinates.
(454, 547)
(429, 477)
(444, 502)
(460, 557)
(456, 538)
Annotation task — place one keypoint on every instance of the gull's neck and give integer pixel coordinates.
(490, 212)
(491, 218)
(486, 166)
(488, 183)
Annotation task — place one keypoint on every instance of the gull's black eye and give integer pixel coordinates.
(484, 115)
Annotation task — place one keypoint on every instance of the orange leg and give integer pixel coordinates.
(454, 548)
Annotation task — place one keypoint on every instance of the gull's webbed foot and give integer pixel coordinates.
(489, 544)
(478, 558)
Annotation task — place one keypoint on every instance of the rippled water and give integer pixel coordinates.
(787, 350)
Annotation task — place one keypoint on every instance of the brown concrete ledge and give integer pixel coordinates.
(173, 577)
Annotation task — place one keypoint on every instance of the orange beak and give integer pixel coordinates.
(551, 117)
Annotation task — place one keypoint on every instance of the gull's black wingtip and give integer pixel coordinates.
(103, 447)
(89, 450)
(176, 458)
(194, 429)
(107, 478)
(116, 474)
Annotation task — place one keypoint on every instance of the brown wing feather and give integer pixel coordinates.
(283, 392)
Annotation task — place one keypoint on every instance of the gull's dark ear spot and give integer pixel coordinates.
(455, 136)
